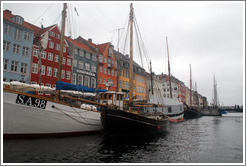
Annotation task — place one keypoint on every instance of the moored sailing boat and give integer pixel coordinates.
(30, 115)
(116, 120)
(191, 111)
(174, 109)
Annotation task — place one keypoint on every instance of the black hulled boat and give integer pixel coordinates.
(117, 120)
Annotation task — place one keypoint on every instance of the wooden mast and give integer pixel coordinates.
(151, 79)
(64, 13)
(190, 87)
(118, 62)
(169, 75)
(131, 56)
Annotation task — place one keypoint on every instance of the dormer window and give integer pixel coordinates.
(18, 20)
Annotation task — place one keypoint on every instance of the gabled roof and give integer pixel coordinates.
(7, 15)
(78, 44)
(103, 47)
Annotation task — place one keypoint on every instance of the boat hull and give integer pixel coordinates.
(55, 120)
(191, 113)
(121, 122)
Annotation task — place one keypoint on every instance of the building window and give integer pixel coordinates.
(49, 71)
(109, 72)
(58, 36)
(112, 72)
(94, 58)
(64, 60)
(64, 49)
(43, 70)
(51, 44)
(74, 78)
(87, 66)
(56, 58)
(8, 29)
(68, 62)
(81, 53)
(104, 81)
(57, 46)
(35, 52)
(25, 51)
(6, 46)
(43, 54)
(100, 69)
(75, 51)
(52, 34)
(5, 64)
(120, 84)
(81, 65)
(87, 81)
(80, 79)
(100, 58)
(93, 82)
(63, 74)
(18, 20)
(14, 66)
(16, 49)
(27, 36)
(50, 56)
(23, 68)
(105, 60)
(115, 84)
(34, 68)
(112, 63)
(55, 72)
(18, 34)
(105, 70)
(75, 63)
(68, 75)
(100, 80)
(94, 69)
(88, 56)
(115, 73)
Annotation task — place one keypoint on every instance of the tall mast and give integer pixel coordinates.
(169, 75)
(64, 14)
(118, 64)
(151, 79)
(131, 55)
(190, 87)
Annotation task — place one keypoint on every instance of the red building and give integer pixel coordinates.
(107, 67)
(49, 57)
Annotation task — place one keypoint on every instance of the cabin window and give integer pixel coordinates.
(169, 109)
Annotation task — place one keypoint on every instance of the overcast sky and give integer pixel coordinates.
(207, 35)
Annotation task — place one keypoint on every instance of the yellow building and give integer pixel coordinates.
(139, 78)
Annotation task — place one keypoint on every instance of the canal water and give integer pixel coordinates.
(203, 140)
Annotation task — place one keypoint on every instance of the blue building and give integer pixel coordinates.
(85, 63)
(17, 48)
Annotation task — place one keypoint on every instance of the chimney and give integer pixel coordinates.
(42, 27)
(90, 40)
(8, 11)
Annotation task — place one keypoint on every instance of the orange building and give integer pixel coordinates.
(107, 67)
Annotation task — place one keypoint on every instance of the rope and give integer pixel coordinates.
(53, 106)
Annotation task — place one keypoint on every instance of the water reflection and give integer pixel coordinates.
(127, 148)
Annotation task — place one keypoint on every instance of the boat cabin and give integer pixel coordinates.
(113, 99)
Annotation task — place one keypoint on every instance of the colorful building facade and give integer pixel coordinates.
(85, 63)
(17, 48)
(49, 57)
